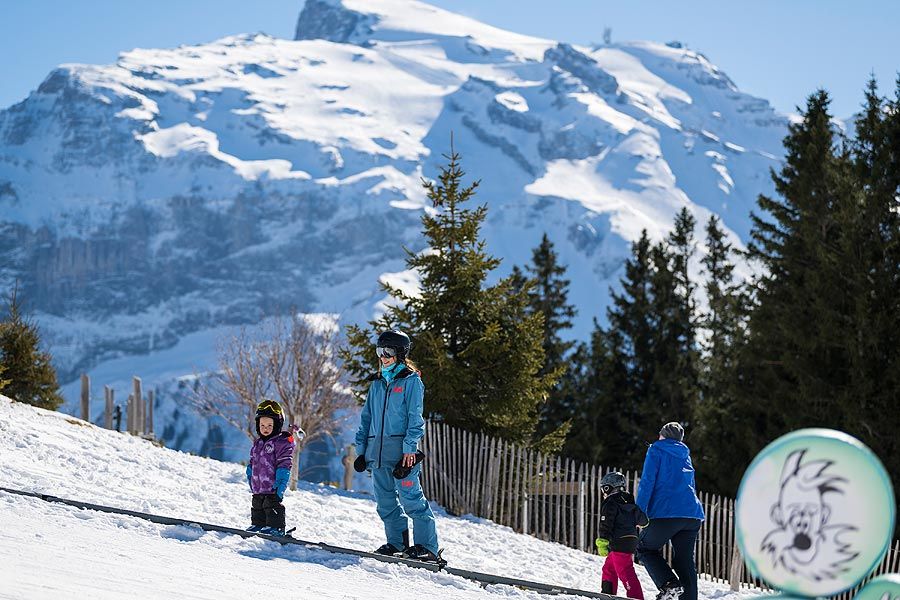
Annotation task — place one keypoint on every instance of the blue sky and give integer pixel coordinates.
(780, 50)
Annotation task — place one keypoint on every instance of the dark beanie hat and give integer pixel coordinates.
(673, 431)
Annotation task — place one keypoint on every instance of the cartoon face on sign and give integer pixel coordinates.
(804, 541)
(815, 513)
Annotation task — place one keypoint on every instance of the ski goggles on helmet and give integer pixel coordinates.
(269, 405)
(385, 352)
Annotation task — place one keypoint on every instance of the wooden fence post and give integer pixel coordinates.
(85, 397)
(129, 417)
(348, 460)
(525, 513)
(108, 407)
(138, 405)
(151, 396)
(737, 563)
(582, 503)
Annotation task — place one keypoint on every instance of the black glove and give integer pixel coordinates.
(359, 465)
(401, 472)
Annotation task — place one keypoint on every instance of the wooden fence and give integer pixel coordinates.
(138, 411)
(558, 499)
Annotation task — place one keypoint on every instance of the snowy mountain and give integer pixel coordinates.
(179, 192)
(51, 550)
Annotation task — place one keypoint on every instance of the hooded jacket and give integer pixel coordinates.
(620, 518)
(270, 464)
(667, 488)
(391, 422)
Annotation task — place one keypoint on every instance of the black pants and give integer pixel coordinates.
(266, 510)
(683, 535)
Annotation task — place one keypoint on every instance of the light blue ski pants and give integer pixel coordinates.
(401, 498)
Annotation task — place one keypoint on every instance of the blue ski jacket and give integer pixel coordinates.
(667, 488)
(391, 422)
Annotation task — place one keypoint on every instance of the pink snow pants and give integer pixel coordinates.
(620, 565)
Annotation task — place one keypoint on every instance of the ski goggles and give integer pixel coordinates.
(385, 352)
(269, 405)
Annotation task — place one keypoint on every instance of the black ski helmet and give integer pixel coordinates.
(270, 408)
(612, 481)
(397, 340)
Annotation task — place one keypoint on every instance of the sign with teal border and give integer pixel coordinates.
(814, 513)
(883, 587)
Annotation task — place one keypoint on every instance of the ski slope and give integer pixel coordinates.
(49, 550)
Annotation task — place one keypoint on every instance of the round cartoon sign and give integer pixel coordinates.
(815, 513)
(884, 587)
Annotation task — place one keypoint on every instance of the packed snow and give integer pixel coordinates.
(51, 550)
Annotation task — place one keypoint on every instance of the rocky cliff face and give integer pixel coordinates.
(181, 190)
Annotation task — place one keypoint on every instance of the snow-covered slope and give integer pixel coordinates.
(182, 190)
(55, 551)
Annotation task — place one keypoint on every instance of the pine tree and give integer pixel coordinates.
(549, 297)
(717, 416)
(674, 385)
(873, 249)
(479, 350)
(795, 368)
(29, 376)
(606, 432)
(630, 341)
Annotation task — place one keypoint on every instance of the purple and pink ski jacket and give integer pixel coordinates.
(267, 458)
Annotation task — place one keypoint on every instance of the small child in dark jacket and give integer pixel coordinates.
(620, 518)
(269, 470)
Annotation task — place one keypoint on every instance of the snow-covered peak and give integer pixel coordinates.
(370, 21)
(182, 190)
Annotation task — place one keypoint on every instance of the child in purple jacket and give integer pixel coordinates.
(269, 470)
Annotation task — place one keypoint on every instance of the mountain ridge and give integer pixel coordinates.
(183, 190)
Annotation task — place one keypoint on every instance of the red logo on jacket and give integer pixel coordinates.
(398, 389)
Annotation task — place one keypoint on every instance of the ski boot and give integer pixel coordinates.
(670, 591)
(388, 550)
(255, 528)
(272, 531)
(420, 553)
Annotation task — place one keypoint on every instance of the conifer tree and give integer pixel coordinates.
(602, 407)
(29, 375)
(549, 296)
(717, 416)
(674, 385)
(873, 248)
(629, 343)
(795, 368)
(479, 349)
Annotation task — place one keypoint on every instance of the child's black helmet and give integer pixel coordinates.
(612, 481)
(396, 340)
(270, 408)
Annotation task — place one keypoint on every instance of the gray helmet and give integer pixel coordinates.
(612, 481)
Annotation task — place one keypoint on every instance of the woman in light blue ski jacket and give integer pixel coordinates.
(387, 442)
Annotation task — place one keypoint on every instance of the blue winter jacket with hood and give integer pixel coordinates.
(391, 422)
(667, 488)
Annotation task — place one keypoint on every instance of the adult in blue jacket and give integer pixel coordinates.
(390, 428)
(668, 495)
